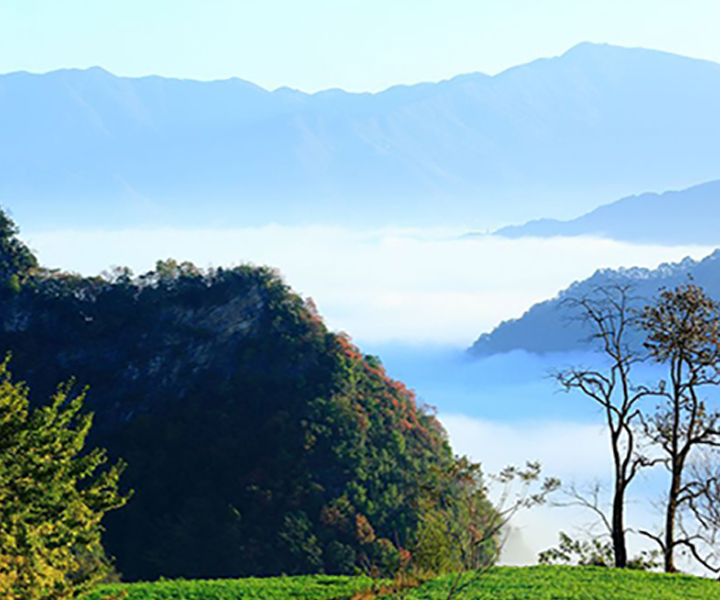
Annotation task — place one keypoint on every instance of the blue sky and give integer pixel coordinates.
(352, 44)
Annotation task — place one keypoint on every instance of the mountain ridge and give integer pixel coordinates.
(545, 328)
(90, 147)
(673, 217)
(585, 47)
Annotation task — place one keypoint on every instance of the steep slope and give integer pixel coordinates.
(257, 441)
(545, 327)
(680, 217)
(597, 121)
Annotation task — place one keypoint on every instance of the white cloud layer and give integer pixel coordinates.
(565, 449)
(379, 286)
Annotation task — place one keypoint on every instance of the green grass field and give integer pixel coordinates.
(317, 587)
(502, 583)
(574, 583)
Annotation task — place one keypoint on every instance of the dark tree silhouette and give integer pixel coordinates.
(608, 311)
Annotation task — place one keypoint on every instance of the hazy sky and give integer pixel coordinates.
(352, 44)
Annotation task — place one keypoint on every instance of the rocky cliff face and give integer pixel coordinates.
(136, 345)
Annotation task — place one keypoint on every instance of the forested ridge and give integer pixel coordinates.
(258, 442)
(545, 328)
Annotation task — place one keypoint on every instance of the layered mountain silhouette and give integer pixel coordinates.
(689, 216)
(597, 122)
(550, 327)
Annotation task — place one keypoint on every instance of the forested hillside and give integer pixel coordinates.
(258, 442)
(546, 327)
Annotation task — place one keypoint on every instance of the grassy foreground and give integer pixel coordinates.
(574, 583)
(501, 583)
(315, 587)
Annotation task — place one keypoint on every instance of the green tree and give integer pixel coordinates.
(53, 495)
(468, 543)
(16, 259)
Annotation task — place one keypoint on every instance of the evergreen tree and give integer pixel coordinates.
(53, 495)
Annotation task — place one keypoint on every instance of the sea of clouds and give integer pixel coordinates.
(411, 286)
(418, 299)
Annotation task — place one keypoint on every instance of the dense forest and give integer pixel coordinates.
(257, 441)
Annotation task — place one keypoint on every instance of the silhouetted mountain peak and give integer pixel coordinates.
(674, 217)
(546, 326)
(587, 49)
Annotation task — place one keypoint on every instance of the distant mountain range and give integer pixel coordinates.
(550, 138)
(546, 326)
(684, 217)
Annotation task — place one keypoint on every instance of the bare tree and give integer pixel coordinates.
(705, 501)
(683, 331)
(609, 313)
(519, 489)
(704, 510)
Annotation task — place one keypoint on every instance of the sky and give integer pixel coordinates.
(356, 45)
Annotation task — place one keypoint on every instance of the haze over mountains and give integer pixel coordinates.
(551, 138)
(678, 217)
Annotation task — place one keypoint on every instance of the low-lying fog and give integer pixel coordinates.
(421, 286)
(418, 298)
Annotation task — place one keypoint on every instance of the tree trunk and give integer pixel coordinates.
(618, 527)
(670, 517)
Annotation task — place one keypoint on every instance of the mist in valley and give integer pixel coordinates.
(417, 299)
(404, 286)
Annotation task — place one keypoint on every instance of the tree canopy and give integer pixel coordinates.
(16, 259)
(53, 496)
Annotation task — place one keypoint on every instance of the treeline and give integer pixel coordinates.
(257, 441)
